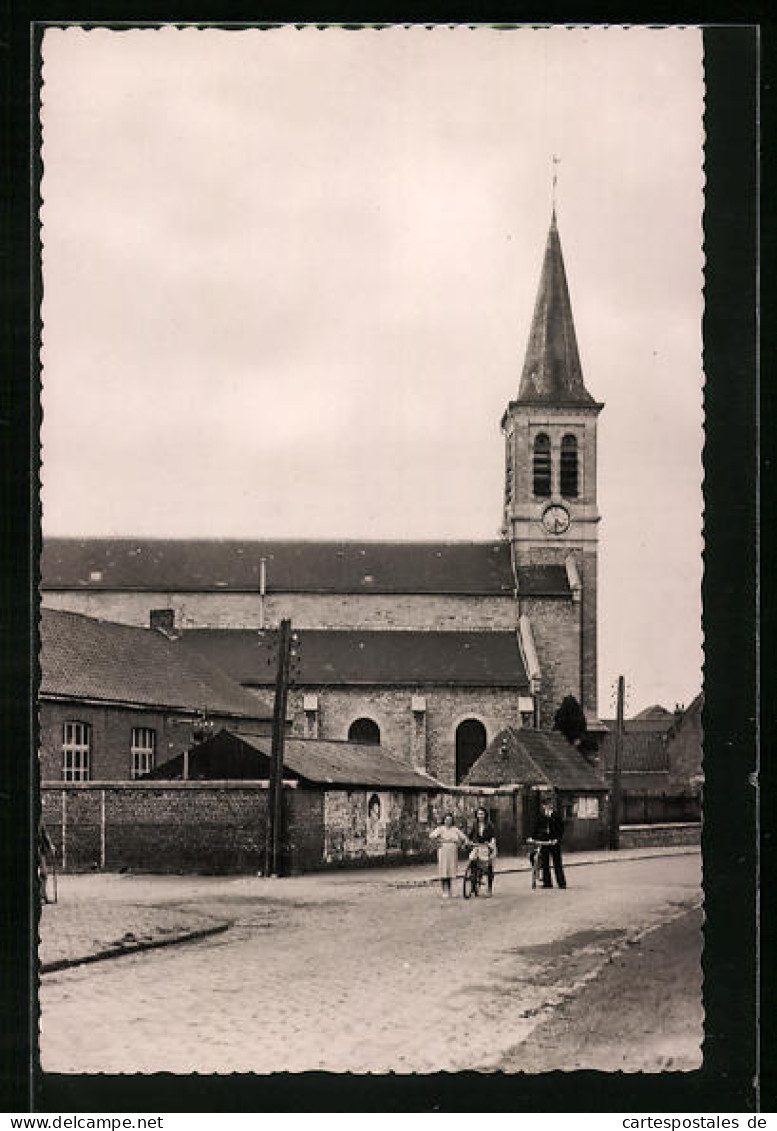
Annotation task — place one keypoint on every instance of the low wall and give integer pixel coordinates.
(660, 836)
(210, 827)
(220, 826)
(660, 807)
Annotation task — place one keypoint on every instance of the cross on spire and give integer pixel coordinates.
(555, 162)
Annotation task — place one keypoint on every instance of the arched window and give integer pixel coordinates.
(542, 466)
(364, 730)
(569, 476)
(470, 744)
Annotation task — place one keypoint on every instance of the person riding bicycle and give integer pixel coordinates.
(549, 830)
(482, 833)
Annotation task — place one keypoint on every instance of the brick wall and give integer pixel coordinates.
(208, 827)
(306, 610)
(216, 827)
(111, 734)
(219, 827)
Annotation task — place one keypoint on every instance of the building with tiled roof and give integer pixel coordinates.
(312, 761)
(115, 699)
(430, 648)
(539, 763)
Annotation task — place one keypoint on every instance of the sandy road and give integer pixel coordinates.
(342, 975)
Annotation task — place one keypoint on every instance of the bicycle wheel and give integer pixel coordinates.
(477, 877)
(467, 888)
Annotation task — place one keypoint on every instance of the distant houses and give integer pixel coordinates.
(661, 763)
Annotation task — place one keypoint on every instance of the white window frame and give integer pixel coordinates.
(142, 751)
(76, 751)
(587, 808)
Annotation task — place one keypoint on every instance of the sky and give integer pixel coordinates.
(289, 276)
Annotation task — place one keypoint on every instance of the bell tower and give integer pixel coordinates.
(550, 504)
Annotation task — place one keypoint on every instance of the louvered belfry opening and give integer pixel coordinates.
(542, 466)
(569, 467)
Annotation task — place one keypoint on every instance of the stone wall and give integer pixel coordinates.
(426, 740)
(556, 629)
(659, 836)
(306, 610)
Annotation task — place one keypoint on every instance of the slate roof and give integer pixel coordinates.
(196, 565)
(331, 657)
(543, 581)
(551, 371)
(315, 761)
(84, 658)
(533, 757)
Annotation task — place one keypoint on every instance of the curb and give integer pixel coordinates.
(121, 949)
(684, 850)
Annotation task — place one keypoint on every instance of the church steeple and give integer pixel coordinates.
(550, 513)
(552, 373)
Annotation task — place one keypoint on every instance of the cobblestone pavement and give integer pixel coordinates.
(351, 973)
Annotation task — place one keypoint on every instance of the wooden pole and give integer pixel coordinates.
(615, 798)
(275, 792)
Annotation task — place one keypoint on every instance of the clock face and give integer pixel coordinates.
(555, 519)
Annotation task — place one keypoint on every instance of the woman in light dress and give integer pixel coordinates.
(448, 839)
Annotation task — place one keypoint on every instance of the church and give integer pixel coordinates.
(427, 648)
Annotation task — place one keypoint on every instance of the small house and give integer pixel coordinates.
(535, 762)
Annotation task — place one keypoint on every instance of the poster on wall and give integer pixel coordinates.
(377, 818)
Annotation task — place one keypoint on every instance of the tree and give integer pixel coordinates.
(570, 720)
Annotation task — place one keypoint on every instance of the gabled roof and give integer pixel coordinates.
(653, 720)
(656, 712)
(533, 757)
(551, 370)
(84, 658)
(196, 565)
(315, 761)
(331, 657)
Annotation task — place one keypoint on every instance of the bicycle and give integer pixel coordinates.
(477, 870)
(535, 857)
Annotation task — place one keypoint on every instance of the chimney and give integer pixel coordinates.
(163, 620)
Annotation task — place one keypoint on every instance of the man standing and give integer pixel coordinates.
(550, 828)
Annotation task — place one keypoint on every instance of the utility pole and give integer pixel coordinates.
(275, 792)
(615, 795)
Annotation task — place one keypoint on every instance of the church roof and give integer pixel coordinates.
(232, 565)
(521, 756)
(84, 658)
(552, 373)
(316, 761)
(329, 657)
(196, 565)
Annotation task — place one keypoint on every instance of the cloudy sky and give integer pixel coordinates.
(289, 276)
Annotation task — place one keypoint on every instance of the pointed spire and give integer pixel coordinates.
(551, 372)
